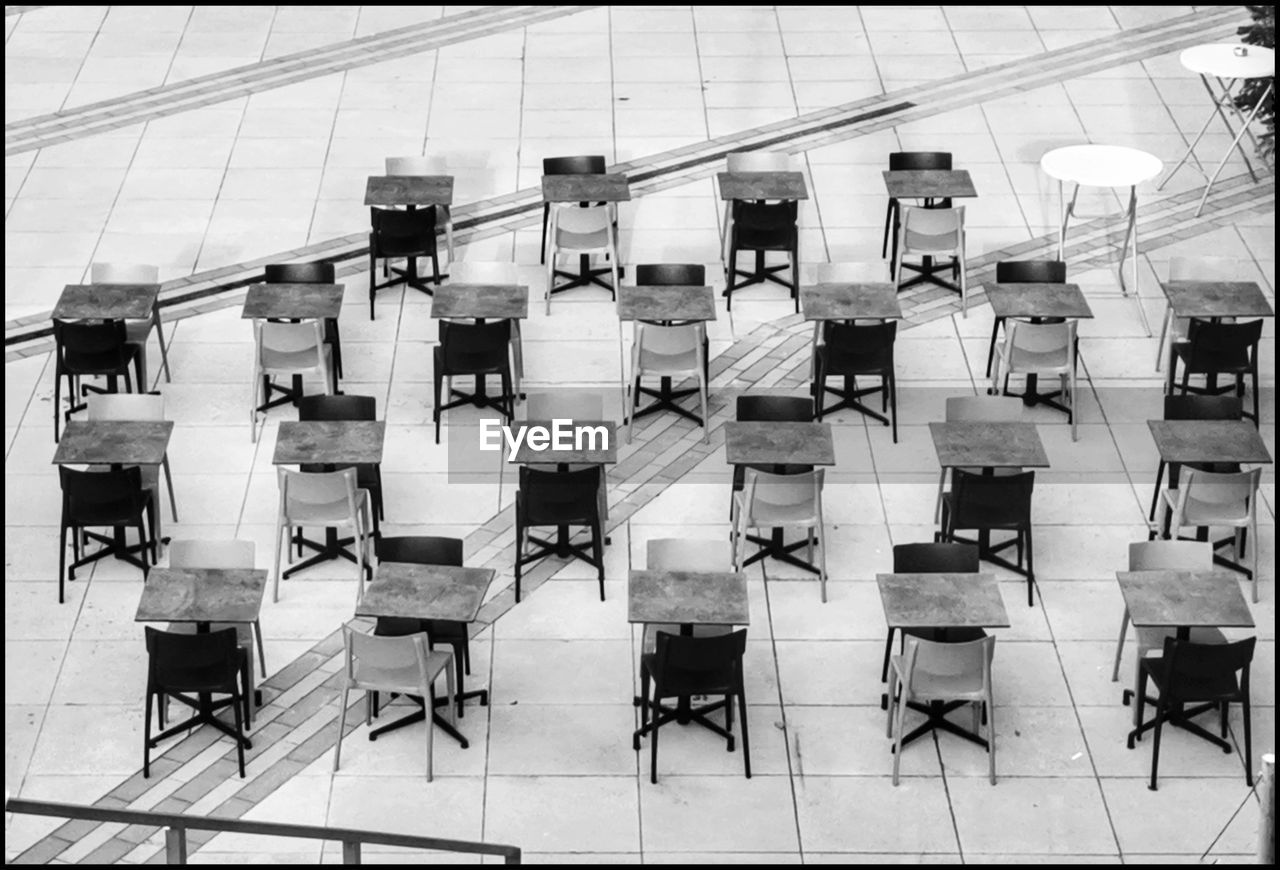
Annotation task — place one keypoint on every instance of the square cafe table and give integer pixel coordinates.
(335, 443)
(928, 185)
(1183, 600)
(787, 186)
(605, 187)
(115, 302)
(848, 301)
(778, 444)
(294, 302)
(940, 601)
(1038, 302)
(409, 190)
(1209, 300)
(483, 302)
(445, 592)
(687, 598)
(666, 305)
(116, 443)
(203, 596)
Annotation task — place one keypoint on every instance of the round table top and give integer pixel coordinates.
(1224, 60)
(1101, 165)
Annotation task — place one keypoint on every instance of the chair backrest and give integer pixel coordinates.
(671, 275)
(935, 559)
(581, 227)
(983, 409)
(126, 406)
(1000, 499)
(757, 161)
(484, 272)
(1204, 268)
(558, 497)
(1227, 495)
(1031, 272)
(1171, 556)
(1212, 339)
(1043, 338)
(709, 662)
(288, 338)
(417, 164)
(1191, 666)
(768, 496)
(420, 550)
(775, 409)
(331, 493)
(939, 659)
(838, 273)
(653, 339)
(177, 661)
(920, 160)
(344, 407)
(99, 497)
(570, 404)
(299, 273)
(932, 229)
(124, 273)
(687, 554)
(189, 553)
(379, 662)
(98, 344)
(764, 224)
(858, 339)
(469, 346)
(1203, 408)
(397, 232)
(583, 164)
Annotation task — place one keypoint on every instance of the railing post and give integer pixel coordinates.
(351, 852)
(1267, 806)
(512, 857)
(175, 845)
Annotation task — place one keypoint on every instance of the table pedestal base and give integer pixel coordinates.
(664, 400)
(848, 397)
(683, 713)
(205, 709)
(759, 275)
(927, 272)
(585, 277)
(775, 548)
(332, 548)
(1180, 719)
(436, 718)
(937, 712)
(113, 545)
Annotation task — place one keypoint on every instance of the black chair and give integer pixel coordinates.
(561, 499)
(310, 273)
(202, 664)
(408, 234)
(933, 558)
(1197, 673)
(992, 503)
(782, 409)
(1213, 349)
(761, 227)
(586, 164)
(344, 407)
(114, 499)
(1024, 272)
(1197, 408)
(89, 349)
(478, 349)
(905, 160)
(851, 349)
(681, 667)
(430, 550)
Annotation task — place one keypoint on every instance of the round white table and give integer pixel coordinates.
(1227, 64)
(1103, 166)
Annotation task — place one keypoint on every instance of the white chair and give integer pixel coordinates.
(404, 665)
(934, 232)
(683, 554)
(494, 272)
(577, 231)
(667, 351)
(137, 331)
(138, 406)
(876, 272)
(327, 499)
(1206, 498)
(748, 161)
(1042, 349)
(288, 349)
(977, 409)
(770, 501)
(1158, 556)
(422, 165)
(931, 671)
(1174, 329)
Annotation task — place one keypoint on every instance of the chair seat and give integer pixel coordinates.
(244, 630)
(290, 361)
(649, 641)
(404, 680)
(1153, 638)
(1235, 361)
(209, 678)
(1021, 360)
(946, 635)
(981, 516)
(446, 630)
(137, 331)
(779, 514)
(847, 362)
(1193, 687)
(927, 686)
(669, 363)
(678, 682)
(581, 242)
(326, 514)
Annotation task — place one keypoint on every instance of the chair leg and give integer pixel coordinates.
(653, 743)
(1124, 628)
(519, 549)
(62, 563)
(282, 529)
(235, 709)
(1031, 573)
(899, 721)
(888, 653)
(991, 737)
(146, 736)
(430, 697)
(435, 409)
(1248, 742)
(597, 551)
(893, 404)
(1155, 747)
(746, 740)
(342, 727)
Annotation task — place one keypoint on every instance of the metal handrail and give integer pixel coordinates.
(176, 826)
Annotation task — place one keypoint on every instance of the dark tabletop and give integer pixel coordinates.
(202, 595)
(942, 601)
(106, 302)
(409, 190)
(607, 187)
(688, 597)
(1217, 299)
(928, 183)
(426, 592)
(683, 302)
(762, 185)
(850, 301)
(113, 442)
(778, 443)
(1037, 300)
(1184, 441)
(597, 451)
(496, 301)
(329, 442)
(988, 445)
(1170, 599)
(292, 301)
